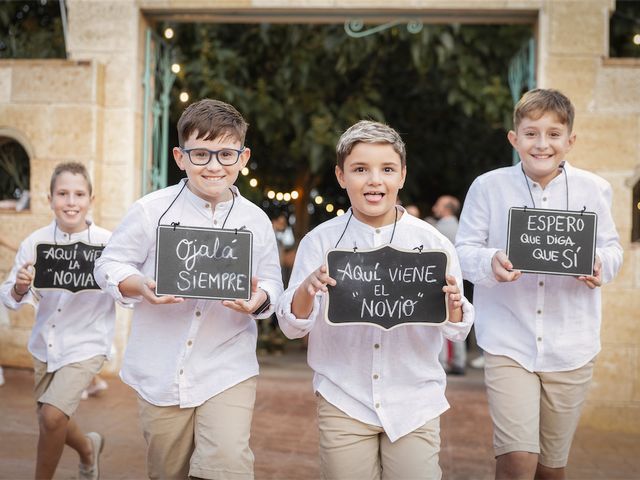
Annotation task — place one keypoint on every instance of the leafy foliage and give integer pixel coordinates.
(624, 24)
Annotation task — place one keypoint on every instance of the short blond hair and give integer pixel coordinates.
(367, 131)
(71, 167)
(535, 103)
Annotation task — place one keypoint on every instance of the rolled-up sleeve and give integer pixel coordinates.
(268, 270)
(25, 254)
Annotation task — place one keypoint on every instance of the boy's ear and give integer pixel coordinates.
(572, 140)
(404, 176)
(513, 138)
(245, 156)
(340, 176)
(179, 157)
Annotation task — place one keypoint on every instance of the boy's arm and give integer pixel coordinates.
(20, 278)
(296, 318)
(476, 257)
(461, 312)
(117, 271)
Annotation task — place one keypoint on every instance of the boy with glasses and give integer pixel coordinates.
(193, 361)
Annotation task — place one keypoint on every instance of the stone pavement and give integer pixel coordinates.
(284, 435)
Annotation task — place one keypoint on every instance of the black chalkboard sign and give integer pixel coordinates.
(208, 263)
(66, 267)
(387, 287)
(558, 242)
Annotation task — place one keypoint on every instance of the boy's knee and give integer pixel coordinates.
(51, 418)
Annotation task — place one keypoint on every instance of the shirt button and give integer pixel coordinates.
(198, 313)
(377, 405)
(206, 205)
(50, 345)
(215, 222)
(377, 230)
(59, 310)
(53, 326)
(539, 312)
(541, 284)
(377, 345)
(544, 199)
(375, 377)
(189, 343)
(539, 339)
(106, 276)
(181, 371)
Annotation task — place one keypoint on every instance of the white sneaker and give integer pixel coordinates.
(477, 362)
(92, 472)
(1, 376)
(95, 388)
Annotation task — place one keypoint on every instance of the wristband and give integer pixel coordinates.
(18, 293)
(265, 305)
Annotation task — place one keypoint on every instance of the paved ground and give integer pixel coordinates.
(284, 436)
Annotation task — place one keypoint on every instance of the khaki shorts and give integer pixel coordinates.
(350, 449)
(535, 412)
(63, 388)
(208, 441)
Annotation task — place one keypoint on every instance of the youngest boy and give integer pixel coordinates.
(72, 335)
(380, 393)
(191, 361)
(540, 333)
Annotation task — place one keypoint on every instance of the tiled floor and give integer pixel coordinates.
(284, 436)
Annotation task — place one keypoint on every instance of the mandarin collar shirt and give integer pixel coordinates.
(183, 354)
(385, 378)
(543, 322)
(69, 327)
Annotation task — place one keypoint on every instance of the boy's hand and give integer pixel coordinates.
(136, 285)
(258, 297)
(454, 299)
(24, 278)
(317, 281)
(503, 268)
(595, 280)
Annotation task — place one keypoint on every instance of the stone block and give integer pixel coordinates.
(605, 141)
(119, 80)
(575, 76)
(118, 136)
(578, 27)
(618, 90)
(54, 82)
(621, 316)
(101, 26)
(612, 417)
(13, 348)
(5, 83)
(613, 375)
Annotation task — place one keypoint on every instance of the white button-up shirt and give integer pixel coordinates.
(543, 322)
(385, 378)
(69, 327)
(185, 353)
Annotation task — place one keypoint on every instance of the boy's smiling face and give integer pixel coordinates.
(70, 201)
(211, 182)
(372, 174)
(542, 144)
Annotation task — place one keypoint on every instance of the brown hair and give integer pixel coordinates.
(535, 103)
(71, 167)
(366, 131)
(211, 119)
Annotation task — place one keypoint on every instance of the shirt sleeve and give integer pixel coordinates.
(473, 236)
(268, 270)
(458, 331)
(608, 246)
(125, 253)
(308, 258)
(25, 254)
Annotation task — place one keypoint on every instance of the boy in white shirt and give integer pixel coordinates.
(540, 333)
(73, 332)
(380, 392)
(192, 361)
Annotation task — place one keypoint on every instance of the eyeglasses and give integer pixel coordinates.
(202, 156)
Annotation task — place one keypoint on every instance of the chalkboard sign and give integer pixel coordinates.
(208, 263)
(66, 267)
(558, 242)
(387, 287)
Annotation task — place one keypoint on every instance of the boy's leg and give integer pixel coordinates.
(349, 449)
(563, 394)
(413, 456)
(514, 404)
(168, 432)
(222, 431)
(58, 395)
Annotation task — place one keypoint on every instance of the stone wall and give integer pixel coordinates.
(89, 109)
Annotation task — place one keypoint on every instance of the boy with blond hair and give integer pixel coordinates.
(540, 333)
(191, 361)
(72, 334)
(380, 392)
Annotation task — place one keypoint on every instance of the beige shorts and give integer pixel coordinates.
(208, 441)
(535, 412)
(350, 449)
(63, 388)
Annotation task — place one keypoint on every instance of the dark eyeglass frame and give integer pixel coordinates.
(212, 153)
